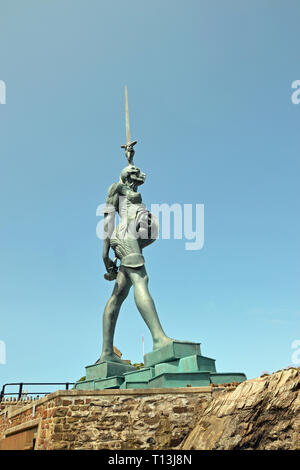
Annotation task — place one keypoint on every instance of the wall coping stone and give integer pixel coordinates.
(22, 427)
(116, 392)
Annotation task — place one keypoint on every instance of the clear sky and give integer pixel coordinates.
(209, 85)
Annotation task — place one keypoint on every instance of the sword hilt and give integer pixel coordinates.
(129, 146)
(129, 150)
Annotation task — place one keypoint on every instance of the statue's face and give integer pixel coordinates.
(133, 176)
(137, 176)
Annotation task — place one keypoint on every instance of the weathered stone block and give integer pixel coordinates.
(60, 412)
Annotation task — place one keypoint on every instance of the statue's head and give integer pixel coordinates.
(132, 176)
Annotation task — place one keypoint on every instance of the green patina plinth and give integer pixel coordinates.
(180, 379)
(173, 350)
(104, 375)
(110, 382)
(227, 377)
(178, 364)
(106, 369)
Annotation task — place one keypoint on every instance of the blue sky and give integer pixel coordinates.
(209, 86)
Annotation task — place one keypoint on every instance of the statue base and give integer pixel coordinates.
(173, 350)
(178, 364)
(105, 369)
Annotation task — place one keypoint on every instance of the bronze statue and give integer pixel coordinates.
(136, 230)
(172, 363)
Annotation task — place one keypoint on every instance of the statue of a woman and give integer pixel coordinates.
(137, 229)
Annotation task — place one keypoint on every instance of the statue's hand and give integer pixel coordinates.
(109, 264)
(111, 269)
(129, 151)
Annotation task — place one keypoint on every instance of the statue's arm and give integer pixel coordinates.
(109, 225)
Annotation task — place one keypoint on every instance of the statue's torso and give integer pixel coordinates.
(131, 234)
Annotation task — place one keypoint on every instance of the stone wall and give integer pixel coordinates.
(262, 413)
(9, 404)
(109, 419)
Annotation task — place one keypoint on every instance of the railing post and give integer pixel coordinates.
(20, 391)
(2, 393)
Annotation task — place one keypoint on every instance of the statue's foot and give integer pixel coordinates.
(161, 342)
(110, 357)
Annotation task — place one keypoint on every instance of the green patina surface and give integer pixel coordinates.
(181, 365)
(111, 382)
(85, 385)
(195, 363)
(166, 367)
(180, 379)
(141, 375)
(107, 369)
(134, 385)
(173, 350)
(228, 377)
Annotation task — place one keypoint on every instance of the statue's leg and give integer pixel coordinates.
(146, 306)
(111, 313)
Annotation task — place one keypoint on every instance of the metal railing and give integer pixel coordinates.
(20, 393)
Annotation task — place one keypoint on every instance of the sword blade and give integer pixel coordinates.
(127, 117)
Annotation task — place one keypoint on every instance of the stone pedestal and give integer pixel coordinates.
(178, 364)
